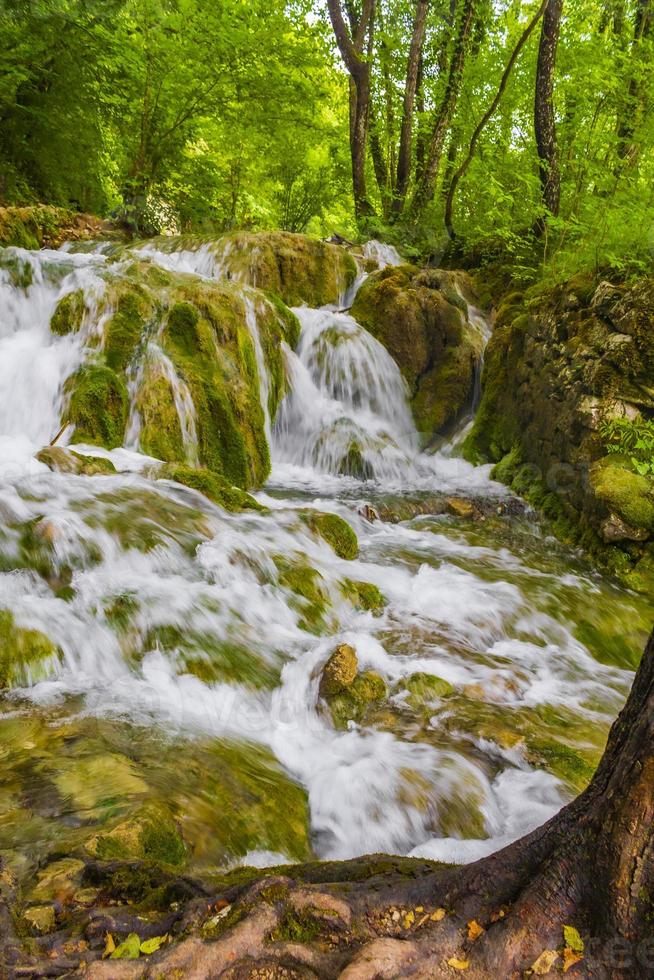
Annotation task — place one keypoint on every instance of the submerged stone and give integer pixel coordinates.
(150, 834)
(336, 532)
(62, 460)
(424, 688)
(217, 489)
(26, 655)
(364, 595)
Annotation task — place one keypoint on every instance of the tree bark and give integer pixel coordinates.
(351, 47)
(410, 89)
(425, 186)
(544, 121)
(632, 108)
(458, 174)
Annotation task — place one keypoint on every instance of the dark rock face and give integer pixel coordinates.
(558, 368)
(421, 317)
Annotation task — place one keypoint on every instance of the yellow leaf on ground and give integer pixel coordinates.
(149, 946)
(474, 930)
(458, 964)
(109, 947)
(409, 919)
(419, 908)
(573, 939)
(438, 915)
(545, 962)
(570, 958)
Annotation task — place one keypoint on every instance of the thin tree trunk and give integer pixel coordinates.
(425, 187)
(351, 48)
(522, 40)
(632, 108)
(410, 88)
(544, 121)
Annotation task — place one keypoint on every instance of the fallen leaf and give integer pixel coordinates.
(409, 919)
(421, 921)
(419, 908)
(458, 964)
(128, 950)
(438, 915)
(474, 930)
(570, 958)
(496, 916)
(109, 947)
(545, 962)
(573, 939)
(149, 946)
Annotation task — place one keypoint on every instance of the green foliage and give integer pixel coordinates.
(633, 438)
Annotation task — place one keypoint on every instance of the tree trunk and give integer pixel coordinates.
(633, 106)
(425, 187)
(544, 122)
(458, 174)
(410, 88)
(351, 47)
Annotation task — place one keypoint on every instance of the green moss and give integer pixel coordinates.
(214, 487)
(161, 432)
(336, 532)
(364, 595)
(146, 519)
(21, 274)
(562, 761)
(305, 582)
(69, 313)
(125, 327)
(62, 460)
(149, 835)
(624, 492)
(182, 327)
(213, 659)
(98, 406)
(424, 688)
(445, 391)
(25, 655)
(368, 689)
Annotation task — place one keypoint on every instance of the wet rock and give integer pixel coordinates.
(615, 529)
(460, 507)
(149, 835)
(25, 654)
(58, 881)
(369, 513)
(628, 496)
(423, 688)
(62, 460)
(40, 918)
(367, 691)
(336, 532)
(364, 595)
(339, 671)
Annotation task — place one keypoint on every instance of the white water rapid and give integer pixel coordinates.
(147, 579)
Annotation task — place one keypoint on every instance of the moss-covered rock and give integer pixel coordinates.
(423, 688)
(339, 671)
(150, 834)
(212, 486)
(422, 320)
(132, 309)
(336, 532)
(366, 691)
(98, 405)
(624, 493)
(161, 432)
(307, 585)
(62, 460)
(364, 595)
(25, 655)
(46, 226)
(69, 313)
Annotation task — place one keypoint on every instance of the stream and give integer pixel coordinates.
(189, 668)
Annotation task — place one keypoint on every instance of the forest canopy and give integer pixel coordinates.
(204, 116)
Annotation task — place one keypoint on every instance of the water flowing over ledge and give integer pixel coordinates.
(170, 621)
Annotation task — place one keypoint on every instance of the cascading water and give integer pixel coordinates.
(191, 641)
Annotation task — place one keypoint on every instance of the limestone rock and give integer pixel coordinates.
(339, 671)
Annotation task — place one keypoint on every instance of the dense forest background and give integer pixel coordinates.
(202, 117)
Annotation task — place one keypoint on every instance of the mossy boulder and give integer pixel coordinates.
(46, 226)
(624, 493)
(98, 405)
(69, 313)
(61, 460)
(26, 655)
(212, 658)
(339, 671)
(336, 532)
(217, 489)
(423, 688)
(150, 834)
(421, 317)
(306, 583)
(295, 267)
(364, 595)
(367, 691)
(161, 431)
(132, 308)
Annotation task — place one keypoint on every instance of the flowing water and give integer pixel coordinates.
(190, 665)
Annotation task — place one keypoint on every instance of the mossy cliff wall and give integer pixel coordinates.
(421, 317)
(560, 364)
